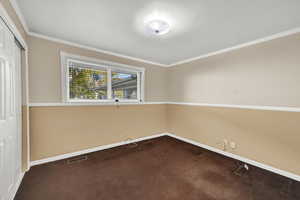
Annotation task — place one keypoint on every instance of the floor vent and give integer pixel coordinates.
(77, 159)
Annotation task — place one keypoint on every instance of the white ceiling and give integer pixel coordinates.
(198, 27)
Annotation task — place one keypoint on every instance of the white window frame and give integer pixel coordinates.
(92, 63)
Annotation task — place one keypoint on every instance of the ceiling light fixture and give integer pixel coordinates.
(157, 27)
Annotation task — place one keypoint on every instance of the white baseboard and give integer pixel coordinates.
(99, 148)
(16, 186)
(240, 158)
(227, 154)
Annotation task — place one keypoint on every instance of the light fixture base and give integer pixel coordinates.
(157, 27)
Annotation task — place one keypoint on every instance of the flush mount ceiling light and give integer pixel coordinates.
(157, 27)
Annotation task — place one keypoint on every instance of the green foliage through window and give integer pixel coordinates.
(87, 83)
(90, 83)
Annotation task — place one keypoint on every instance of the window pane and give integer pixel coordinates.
(87, 83)
(124, 85)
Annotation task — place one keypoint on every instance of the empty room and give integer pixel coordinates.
(149, 100)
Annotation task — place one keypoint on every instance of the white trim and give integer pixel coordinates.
(227, 154)
(95, 61)
(66, 58)
(16, 186)
(240, 158)
(93, 104)
(109, 85)
(271, 108)
(15, 5)
(10, 23)
(257, 41)
(99, 148)
(95, 49)
(247, 44)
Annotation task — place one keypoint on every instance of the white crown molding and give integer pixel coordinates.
(270, 108)
(95, 49)
(227, 154)
(258, 41)
(247, 44)
(15, 5)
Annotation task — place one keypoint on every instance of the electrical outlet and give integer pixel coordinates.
(232, 145)
(225, 144)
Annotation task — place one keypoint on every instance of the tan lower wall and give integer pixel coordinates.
(60, 130)
(269, 137)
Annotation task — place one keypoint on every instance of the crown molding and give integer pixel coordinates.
(247, 44)
(94, 49)
(258, 41)
(16, 7)
(14, 3)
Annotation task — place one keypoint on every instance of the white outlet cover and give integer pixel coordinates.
(232, 145)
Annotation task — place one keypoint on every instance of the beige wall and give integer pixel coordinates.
(59, 130)
(264, 74)
(269, 137)
(45, 71)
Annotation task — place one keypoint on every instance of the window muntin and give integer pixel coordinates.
(89, 80)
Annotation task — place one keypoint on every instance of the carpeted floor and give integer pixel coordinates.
(158, 169)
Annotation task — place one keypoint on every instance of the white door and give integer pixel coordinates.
(10, 113)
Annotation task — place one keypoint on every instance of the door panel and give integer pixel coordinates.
(2, 89)
(10, 113)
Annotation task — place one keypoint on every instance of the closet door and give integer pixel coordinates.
(10, 113)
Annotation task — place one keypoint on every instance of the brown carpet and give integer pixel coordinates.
(158, 169)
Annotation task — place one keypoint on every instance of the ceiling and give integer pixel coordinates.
(198, 27)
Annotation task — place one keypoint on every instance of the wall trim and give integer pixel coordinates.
(229, 49)
(37, 35)
(94, 104)
(247, 44)
(10, 23)
(15, 5)
(240, 158)
(16, 186)
(251, 107)
(213, 149)
(90, 150)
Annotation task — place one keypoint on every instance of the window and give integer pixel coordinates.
(89, 80)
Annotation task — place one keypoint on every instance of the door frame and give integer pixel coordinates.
(24, 81)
